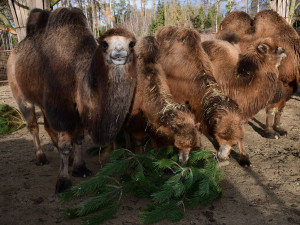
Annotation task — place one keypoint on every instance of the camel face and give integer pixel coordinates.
(187, 137)
(228, 135)
(273, 53)
(118, 50)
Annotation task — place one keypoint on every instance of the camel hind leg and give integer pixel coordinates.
(53, 135)
(277, 126)
(28, 111)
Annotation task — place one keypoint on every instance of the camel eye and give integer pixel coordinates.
(104, 45)
(131, 44)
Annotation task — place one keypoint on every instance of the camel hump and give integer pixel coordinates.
(231, 37)
(37, 21)
(147, 49)
(67, 17)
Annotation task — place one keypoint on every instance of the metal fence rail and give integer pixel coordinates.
(4, 54)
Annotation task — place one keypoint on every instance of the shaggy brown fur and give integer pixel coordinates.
(168, 123)
(76, 84)
(238, 22)
(190, 79)
(268, 23)
(239, 74)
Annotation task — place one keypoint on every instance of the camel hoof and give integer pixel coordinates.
(62, 184)
(81, 171)
(41, 160)
(244, 160)
(272, 135)
(280, 131)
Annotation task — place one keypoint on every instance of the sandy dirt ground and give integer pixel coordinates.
(268, 192)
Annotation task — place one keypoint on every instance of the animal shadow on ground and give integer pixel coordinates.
(232, 196)
(259, 128)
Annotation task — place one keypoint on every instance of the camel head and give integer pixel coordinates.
(118, 46)
(262, 52)
(229, 131)
(273, 54)
(186, 137)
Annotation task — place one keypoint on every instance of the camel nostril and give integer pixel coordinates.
(119, 54)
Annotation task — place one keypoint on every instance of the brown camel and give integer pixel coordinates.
(154, 109)
(249, 79)
(269, 24)
(77, 84)
(190, 79)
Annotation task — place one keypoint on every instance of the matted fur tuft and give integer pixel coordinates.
(37, 21)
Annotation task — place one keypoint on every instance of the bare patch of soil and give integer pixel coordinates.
(268, 192)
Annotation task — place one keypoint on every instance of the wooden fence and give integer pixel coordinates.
(4, 54)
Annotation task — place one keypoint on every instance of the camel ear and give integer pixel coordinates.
(197, 126)
(262, 48)
(174, 128)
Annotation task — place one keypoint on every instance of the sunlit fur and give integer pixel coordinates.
(167, 122)
(60, 68)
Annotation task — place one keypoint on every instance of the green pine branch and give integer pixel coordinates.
(157, 175)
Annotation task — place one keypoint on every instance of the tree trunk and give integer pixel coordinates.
(284, 8)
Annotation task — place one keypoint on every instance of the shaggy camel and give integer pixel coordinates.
(77, 84)
(190, 79)
(167, 122)
(249, 79)
(269, 24)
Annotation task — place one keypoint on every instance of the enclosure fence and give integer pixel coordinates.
(4, 54)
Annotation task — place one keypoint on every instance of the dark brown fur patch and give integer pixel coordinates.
(37, 21)
(147, 49)
(247, 67)
(231, 37)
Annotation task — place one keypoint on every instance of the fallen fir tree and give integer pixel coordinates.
(173, 187)
(10, 119)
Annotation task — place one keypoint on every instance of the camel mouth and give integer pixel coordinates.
(119, 60)
(119, 57)
(183, 155)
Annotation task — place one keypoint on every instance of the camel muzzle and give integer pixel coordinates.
(119, 57)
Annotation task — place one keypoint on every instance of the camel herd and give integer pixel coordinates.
(171, 87)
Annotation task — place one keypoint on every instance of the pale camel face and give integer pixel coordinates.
(118, 50)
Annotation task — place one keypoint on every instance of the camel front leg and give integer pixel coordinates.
(65, 147)
(79, 168)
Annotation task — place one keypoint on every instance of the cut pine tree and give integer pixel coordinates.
(157, 175)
